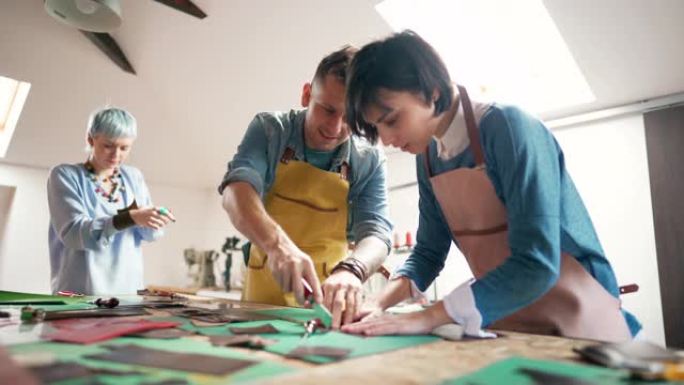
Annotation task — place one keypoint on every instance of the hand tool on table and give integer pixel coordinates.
(322, 316)
(68, 293)
(322, 319)
(30, 314)
(156, 293)
(644, 360)
(108, 303)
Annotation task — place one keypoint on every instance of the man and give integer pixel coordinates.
(300, 187)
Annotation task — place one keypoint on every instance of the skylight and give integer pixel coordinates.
(13, 94)
(501, 50)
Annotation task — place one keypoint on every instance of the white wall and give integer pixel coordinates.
(24, 261)
(201, 224)
(607, 160)
(6, 198)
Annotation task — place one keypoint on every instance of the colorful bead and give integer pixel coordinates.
(116, 185)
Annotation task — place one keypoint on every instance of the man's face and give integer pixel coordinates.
(324, 128)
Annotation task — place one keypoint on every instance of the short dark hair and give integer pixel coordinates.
(335, 64)
(401, 62)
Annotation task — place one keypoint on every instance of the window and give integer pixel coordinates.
(502, 50)
(13, 94)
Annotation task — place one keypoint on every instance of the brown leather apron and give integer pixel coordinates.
(577, 306)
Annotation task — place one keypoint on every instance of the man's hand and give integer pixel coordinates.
(343, 296)
(289, 265)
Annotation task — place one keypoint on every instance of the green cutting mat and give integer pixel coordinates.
(17, 298)
(293, 313)
(507, 372)
(75, 353)
(289, 336)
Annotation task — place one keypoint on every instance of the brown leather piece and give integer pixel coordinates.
(242, 340)
(321, 351)
(164, 334)
(222, 318)
(91, 330)
(61, 371)
(186, 362)
(264, 329)
(540, 377)
(170, 381)
(219, 316)
(94, 313)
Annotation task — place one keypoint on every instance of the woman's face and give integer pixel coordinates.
(108, 153)
(404, 120)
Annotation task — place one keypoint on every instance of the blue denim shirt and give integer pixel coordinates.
(545, 215)
(267, 137)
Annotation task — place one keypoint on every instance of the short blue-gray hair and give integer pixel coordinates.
(113, 123)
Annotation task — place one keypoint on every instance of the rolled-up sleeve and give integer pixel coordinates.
(527, 161)
(250, 163)
(433, 238)
(370, 209)
(72, 223)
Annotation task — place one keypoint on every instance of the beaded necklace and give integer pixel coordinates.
(115, 179)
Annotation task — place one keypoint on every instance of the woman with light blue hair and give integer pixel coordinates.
(100, 212)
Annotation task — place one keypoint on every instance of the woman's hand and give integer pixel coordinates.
(421, 322)
(370, 310)
(151, 217)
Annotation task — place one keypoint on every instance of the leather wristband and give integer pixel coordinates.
(123, 220)
(353, 266)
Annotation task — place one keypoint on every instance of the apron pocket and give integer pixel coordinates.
(307, 204)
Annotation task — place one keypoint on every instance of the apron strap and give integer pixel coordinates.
(288, 155)
(426, 162)
(473, 131)
(345, 171)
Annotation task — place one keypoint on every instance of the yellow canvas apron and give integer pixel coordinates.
(311, 207)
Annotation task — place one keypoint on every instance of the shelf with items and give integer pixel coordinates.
(405, 247)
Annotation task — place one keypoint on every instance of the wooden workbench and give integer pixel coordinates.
(424, 364)
(432, 363)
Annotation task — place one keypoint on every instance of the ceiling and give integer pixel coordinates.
(199, 82)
